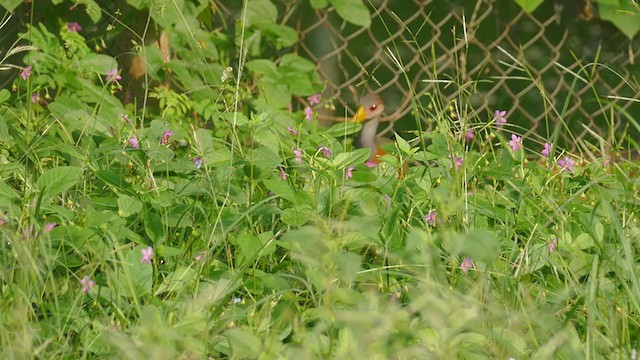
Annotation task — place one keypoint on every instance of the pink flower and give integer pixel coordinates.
(516, 142)
(314, 99)
(35, 98)
(133, 141)
(431, 218)
(553, 245)
(283, 175)
(499, 116)
(298, 154)
(165, 137)
(546, 151)
(308, 113)
(466, 265)
(370, 164)
(87, 284)
(26, 72)
(566, 163)
(147, 255)
(470, 135)
(457, 163)
(326, 152)
(292, 131)
(112, 75)
(200, 256)
(348, 174)
(73, 27)
(48, 227)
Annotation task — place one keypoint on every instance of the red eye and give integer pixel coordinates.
(373, 107)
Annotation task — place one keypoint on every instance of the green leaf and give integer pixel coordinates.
(98, 63)
(624, 16)
(280, 188)
(114, 179)
(249, 246)
(298, 215)
(353, 11)
(59, 179)
(177, 280)
(10, 5)
(358, 156)
(261, 10)
(529, 5)
(319, 4)
(92, 9)
(128, 206)
(4, 95)
(243, 344)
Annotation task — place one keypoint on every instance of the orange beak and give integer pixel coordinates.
(360, 116)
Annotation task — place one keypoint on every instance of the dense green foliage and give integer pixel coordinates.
(202, 217)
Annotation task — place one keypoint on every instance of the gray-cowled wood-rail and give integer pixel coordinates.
(369, 113)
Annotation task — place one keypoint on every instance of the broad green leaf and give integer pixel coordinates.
(296, 63)
(319, 4)
(261, 10)
(98, 63)
(359, 156)
(92, 9)
(280, 188)
(343, 129)
(59, 179)
(153, 226)
(354, 11)
(249, 246)
(113, 179)
(529, 5)
(177, 281)
(298, 215)
(128, 206)
(624, 15)
(243, 343)
(4, 95)
(10, 5)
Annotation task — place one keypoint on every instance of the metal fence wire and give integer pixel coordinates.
(482, 55)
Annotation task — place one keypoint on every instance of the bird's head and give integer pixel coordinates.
(371, 106)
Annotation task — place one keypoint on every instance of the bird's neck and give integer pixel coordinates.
(367, 136)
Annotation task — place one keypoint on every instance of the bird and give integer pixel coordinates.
(369, 113)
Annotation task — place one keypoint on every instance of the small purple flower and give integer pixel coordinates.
(26, 72)
(349, 173)
(471, 133)
(308, 113)
(133, 141)
(370, 164)
(466, 265)
(125, 118)
(283, 175)
(147, 255)
(500, 119)
(197, 161)
(314, 99)
(546, 151)
(566, 163)
(298, 154)
(431, 218)
(457, 163)
(87, 284)
(112, 75)
(516, 142)
(73, 27)
(49, 226)
(326, 152)
(553, 245)
(165, 137)
(35, 98)
(200, 256)
(292, 131)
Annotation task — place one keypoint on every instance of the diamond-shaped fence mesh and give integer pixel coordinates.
(559, 66)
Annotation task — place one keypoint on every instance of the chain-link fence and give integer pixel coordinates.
(482, 56)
